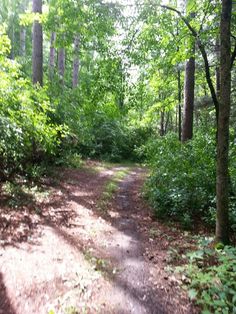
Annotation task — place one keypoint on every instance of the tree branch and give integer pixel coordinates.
(192, 30)
(204, 56)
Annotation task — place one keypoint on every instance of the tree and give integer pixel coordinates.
(222, 108)
(52, 54)
(222, 186)
(61, 63)
(75, 78)
(189, 83)
(37, 57)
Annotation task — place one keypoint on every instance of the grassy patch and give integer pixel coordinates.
(111, 188)
(101, 265)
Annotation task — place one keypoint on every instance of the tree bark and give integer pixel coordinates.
(12, 37)
(222, 184)
(189, 84)
(52, 55)
(61, 64)
(37, 45)
(179, 105)
(76, 63)
(22, 42)
(23, 31)
(217, 68)
(162, 123)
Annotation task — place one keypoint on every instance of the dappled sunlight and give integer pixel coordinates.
(80, 254)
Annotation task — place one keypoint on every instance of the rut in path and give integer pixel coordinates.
(132, 291)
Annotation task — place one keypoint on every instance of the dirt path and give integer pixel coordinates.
(132, 291)
(73, 258)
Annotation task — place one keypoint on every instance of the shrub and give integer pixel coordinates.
(182, 180)
(27, 132)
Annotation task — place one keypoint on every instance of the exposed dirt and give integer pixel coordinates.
(71, 257)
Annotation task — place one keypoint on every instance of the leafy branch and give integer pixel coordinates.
(202, 49)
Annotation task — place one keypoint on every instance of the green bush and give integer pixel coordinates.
(182, 180)
(27, 134)
(99, 130)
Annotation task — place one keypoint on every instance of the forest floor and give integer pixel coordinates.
(84, 241)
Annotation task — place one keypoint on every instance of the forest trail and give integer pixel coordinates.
(81, 255)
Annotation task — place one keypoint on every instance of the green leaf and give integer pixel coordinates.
(192, 293)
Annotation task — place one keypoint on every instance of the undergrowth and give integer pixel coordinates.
(181, 185)
(209, 276)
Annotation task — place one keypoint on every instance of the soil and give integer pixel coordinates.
(62, 253)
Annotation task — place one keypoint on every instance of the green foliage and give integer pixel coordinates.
(182, 180)
(27, 132)
(110, 188)
(212, 279)
(69, 159)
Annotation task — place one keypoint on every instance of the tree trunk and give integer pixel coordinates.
(167, 122)
(12, 53)
(189, 84)
(162, 123)
(179, 105)
(187, 130)
(22, 42)
(37, 45)
(222, 185)
(23, 31)
(217, 68)
(61, 64)
(52, 55)
(76, 63)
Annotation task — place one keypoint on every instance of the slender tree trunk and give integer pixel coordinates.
(162, 123)
(37, 45)
(22, 42)
(218, 68)
(189, 85)
(52, 55)
(23, 31)
(168, 118)
(179, 105)
(222, 185)
(61, 64)
(76, 63)
(12, 53)
(187, 131)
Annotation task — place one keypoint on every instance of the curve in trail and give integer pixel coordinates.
(132, 291)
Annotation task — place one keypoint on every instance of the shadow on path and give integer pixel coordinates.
(5, 304)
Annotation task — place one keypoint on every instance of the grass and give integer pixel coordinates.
(111, 188)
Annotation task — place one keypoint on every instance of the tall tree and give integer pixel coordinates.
(75, 78)
(22, 42)
(52, 54)
(61, 63)
(23, 5)
(37, 61)
(189, 84)
(222, 186)
(222, 108)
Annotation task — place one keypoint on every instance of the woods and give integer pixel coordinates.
(148, 82)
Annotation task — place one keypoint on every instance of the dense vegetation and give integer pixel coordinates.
(109, 81)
